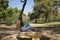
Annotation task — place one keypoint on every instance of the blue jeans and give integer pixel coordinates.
(27, 27)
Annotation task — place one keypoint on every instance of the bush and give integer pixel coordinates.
(9, 22)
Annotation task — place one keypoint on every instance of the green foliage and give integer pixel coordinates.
(9, 21)
(12, 15)
(8, 15)
(44, 8)
(10, 12)
(3, 7)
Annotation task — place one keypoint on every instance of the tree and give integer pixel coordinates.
(43, 7)
(10, 12)
(3, 7)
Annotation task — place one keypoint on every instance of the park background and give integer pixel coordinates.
(36, 11)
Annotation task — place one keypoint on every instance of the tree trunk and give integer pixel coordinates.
(46, 17)
(35, 20)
